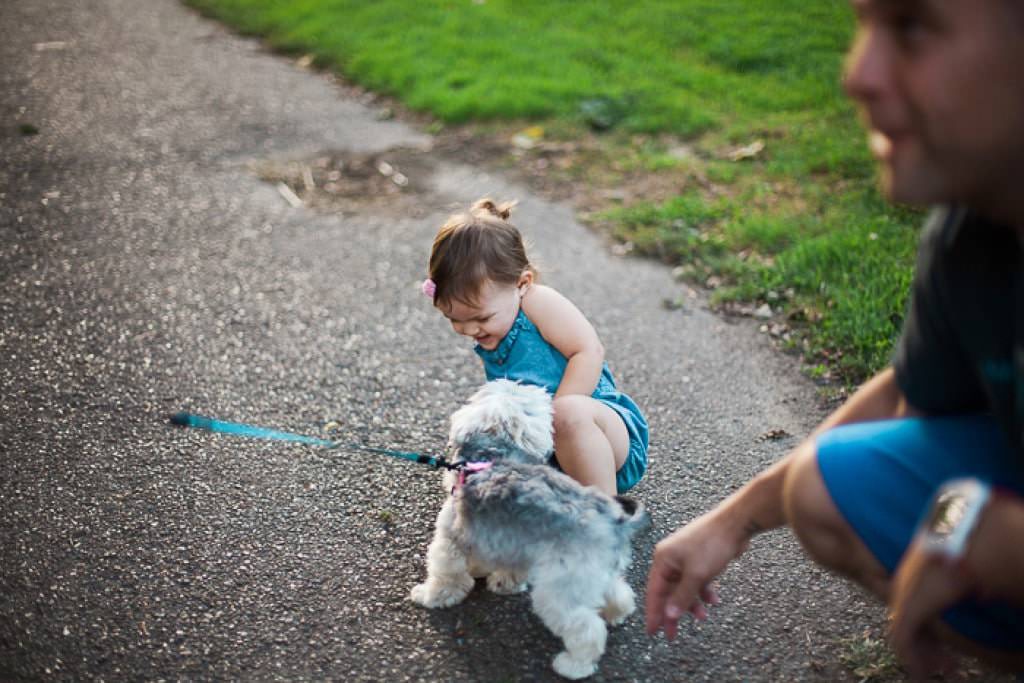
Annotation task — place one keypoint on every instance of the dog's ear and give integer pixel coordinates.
(512, 428)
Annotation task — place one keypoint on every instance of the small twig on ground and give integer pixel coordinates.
(289, 195)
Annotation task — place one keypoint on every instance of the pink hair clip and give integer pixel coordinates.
(429, 288)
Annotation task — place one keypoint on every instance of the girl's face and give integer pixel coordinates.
(490, 317)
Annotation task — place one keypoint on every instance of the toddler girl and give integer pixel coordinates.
(482, 281)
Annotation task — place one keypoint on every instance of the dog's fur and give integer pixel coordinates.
(523, 523)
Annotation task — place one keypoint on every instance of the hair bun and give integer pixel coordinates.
(487, 205)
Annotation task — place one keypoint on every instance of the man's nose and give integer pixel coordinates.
(866, 72)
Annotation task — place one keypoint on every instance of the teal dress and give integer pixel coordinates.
(525, 356)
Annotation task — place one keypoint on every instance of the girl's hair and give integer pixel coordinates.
(473, 247)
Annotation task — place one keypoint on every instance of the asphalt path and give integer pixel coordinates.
(146, 268)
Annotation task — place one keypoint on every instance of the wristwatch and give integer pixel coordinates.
(953, 516)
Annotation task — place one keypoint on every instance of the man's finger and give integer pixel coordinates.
(683, 598)
(910, 626)
(709, 595)
(670, 627)
(912, 614)
(654, 601)
(921, 654)
(915, 643)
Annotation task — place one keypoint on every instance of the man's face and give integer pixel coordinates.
(940, 85)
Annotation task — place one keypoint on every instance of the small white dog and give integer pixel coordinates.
(520, 522)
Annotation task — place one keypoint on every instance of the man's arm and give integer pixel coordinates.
(996, 553)
(688, 560)
(880, 398)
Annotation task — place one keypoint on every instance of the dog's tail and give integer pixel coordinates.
(634, 514)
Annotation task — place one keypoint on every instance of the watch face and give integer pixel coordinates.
(947, 513)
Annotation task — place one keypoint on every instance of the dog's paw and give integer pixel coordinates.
(432, 595)
(617, 614)
(478, 570)
(505, 583)
(620, 603)
(567, 666)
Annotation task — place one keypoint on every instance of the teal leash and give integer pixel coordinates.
(252, 431)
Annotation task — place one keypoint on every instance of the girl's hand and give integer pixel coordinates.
(685, 564)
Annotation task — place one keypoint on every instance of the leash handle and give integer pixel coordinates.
(239, 429)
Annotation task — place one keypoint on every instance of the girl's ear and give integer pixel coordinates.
(525, 280)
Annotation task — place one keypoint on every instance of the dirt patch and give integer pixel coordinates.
(592, 172)
(336, 180)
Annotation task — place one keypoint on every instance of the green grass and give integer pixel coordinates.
(870, 659)
(797, 219)
(676, 66)
(842, 273)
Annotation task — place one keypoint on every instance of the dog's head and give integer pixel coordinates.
(505, 412)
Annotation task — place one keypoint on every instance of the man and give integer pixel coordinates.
(912, 487)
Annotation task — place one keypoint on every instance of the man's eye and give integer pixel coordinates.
(909, 28)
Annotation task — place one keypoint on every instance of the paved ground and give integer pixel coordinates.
(145, 268)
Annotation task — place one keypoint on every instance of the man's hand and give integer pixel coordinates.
(684, 565)
(923, 586)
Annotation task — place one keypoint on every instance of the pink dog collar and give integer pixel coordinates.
(471, 468)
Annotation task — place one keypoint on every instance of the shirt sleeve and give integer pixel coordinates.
(933, 370)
